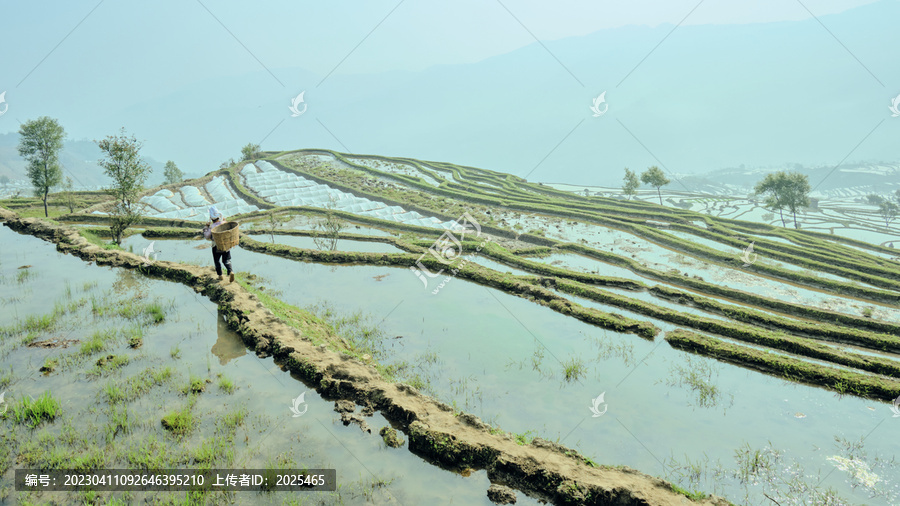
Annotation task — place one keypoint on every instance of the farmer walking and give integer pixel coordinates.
(217, 219)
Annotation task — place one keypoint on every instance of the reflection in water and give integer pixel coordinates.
(228, 345)
(128, 281)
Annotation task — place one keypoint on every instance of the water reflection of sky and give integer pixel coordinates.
(196, 329)
(486, 343)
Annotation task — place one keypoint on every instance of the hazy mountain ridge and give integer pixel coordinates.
(709, 96)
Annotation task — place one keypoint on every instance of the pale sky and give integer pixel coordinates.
(97, 65)
(335, 35)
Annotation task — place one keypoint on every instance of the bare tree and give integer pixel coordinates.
(69, 194)
(328, 228)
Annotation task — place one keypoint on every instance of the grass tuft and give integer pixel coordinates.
(226, 385)
(35, 412)
(195, 385)
(574, 369)
(179, 422)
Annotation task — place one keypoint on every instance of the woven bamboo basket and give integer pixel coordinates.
(226, 235)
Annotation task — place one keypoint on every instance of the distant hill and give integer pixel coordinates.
(694, 99)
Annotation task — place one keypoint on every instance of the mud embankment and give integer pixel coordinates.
(459, 441)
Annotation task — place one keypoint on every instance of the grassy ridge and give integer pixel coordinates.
(862, 385)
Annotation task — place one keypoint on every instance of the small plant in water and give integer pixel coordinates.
(24, 275)
(34, 412)
(574, 369)
(226, 385)
(50, 365)
(96, 343)
(179, 422)
(136, 339)
(697, 375)
(194, 386)
(6, 379)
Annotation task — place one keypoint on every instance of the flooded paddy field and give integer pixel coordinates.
(436, 335)
(738, 279)
(109, 415)
(534, 373)
(833, 214)
(529, 350)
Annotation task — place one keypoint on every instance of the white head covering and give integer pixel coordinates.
(214, 213)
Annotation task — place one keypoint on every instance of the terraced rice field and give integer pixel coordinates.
(633, 334)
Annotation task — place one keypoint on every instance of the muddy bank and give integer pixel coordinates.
(435, 432)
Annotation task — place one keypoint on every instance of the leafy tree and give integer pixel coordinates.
(129, 172)
(250, 151)
(873, 199)
(631, 183)
(40, 144)
(897, 196)
(227, 163)
(4, 180)
(784, 190)
(655, 177)
(888, 211)
(797, 193)
(172, 173)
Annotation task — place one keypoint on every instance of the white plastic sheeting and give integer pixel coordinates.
(219, 191)
(248, 169)
(177, 200)
(189, 203)
(267, 167)
(159, 203)
(193, 197)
